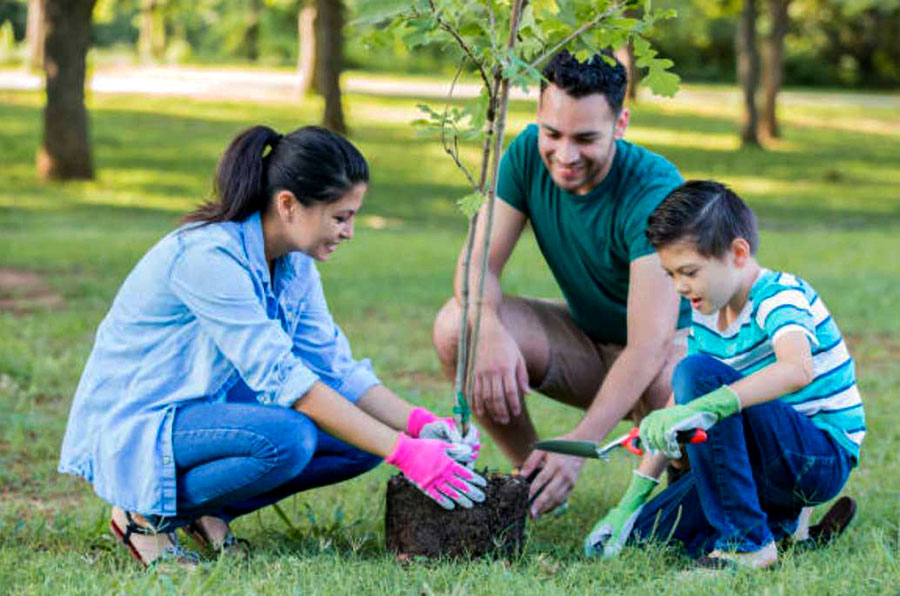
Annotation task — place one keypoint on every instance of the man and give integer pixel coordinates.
(610, 348)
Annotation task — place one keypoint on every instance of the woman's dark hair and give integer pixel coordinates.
(602, 74)
(705, 213)
(315, 164)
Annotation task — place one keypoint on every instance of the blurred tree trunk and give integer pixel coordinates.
(152, 31)
(773, 69)
(748, 72)
(34, 34)
(626, 56)
(251, 35)
(65, 151)
(329, 52)
(306, 56)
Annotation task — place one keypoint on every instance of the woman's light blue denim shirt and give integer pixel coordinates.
(198, 313)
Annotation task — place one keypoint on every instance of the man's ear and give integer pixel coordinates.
(740, 251)
(621, 123)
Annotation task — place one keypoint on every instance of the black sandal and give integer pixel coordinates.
(231, 546)
(171, 554)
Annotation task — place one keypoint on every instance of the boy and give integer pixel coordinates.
(769, 377)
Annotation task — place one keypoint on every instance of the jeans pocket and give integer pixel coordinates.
(800, 479)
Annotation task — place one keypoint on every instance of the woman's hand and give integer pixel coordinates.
(425, 425)
(426, 464)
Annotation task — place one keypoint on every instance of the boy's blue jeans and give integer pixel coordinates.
(234, 458)
(750, 479)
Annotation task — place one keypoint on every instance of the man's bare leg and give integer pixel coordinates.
(515, 438)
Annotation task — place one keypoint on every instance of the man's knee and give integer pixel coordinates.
(446, 331)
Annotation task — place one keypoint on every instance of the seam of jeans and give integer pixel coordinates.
(255, 435)
(268, 464)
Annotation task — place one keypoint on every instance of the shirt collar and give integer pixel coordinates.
(251, 231)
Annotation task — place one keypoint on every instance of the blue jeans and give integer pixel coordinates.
(233, 458)
(750, 479)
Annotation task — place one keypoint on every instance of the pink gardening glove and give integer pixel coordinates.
(426, 464)
(422, 424)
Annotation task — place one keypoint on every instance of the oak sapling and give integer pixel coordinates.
(503, 43)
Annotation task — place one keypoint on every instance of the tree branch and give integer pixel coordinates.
(461, 42)
(454, 151)
(578, 32)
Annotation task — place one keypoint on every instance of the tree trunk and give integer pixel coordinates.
(748, 72)
(34, 34)
(65, 151)
(625, 55)
(306, 56)
(329, 52)
(152, 31)
(251, 35)
(773, 70)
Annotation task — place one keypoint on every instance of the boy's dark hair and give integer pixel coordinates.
(601, 73)
(705, 213)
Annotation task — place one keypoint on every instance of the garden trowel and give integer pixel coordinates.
(630, 441)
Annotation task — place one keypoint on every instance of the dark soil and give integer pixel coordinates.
(416, 525)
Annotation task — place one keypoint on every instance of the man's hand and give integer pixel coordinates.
(555, 481)
(500, 374)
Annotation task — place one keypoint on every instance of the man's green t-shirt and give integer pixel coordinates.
(590, 240)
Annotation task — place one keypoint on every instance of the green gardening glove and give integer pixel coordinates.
(659, 428)
(608, 535)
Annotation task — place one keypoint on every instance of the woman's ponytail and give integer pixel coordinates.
(240, 183)
(314, 164)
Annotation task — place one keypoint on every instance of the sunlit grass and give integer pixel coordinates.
(828, 199)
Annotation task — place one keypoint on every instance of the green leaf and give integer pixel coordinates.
(662, 82)
(471, 203)
(372, 12)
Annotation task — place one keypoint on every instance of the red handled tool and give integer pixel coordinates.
(630, 441)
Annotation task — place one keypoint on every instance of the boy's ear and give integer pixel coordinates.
(740, 251)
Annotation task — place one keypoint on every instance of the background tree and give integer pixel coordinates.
(34, 35)
(307, 73)
(748, 72)
(773, 68)
(65, 150)
(152, 37)
(329, 52)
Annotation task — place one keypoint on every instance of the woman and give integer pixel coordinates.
(219, 383)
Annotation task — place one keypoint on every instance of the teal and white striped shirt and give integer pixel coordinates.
(779, 302)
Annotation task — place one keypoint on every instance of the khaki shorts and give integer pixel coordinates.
(577, 364)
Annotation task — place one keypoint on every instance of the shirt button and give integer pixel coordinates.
(167, 460)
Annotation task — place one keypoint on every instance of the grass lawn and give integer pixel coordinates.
(828, 196)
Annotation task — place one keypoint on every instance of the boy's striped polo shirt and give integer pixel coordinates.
(779, 302)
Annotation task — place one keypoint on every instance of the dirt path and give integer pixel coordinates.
(279, 86)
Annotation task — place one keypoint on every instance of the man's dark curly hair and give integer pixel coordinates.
(595, 75)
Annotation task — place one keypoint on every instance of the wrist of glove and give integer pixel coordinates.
(426, 464)
(609, 535)
(423, 424)
(659, 429)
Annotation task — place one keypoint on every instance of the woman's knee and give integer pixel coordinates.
(290, 442)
